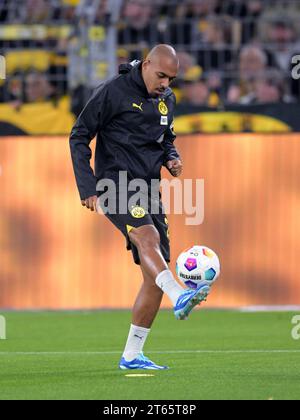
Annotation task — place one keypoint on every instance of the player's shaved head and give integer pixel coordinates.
(163, 52)
(160, 68)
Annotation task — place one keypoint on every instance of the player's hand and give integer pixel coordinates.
(90, 203)
(175, 167)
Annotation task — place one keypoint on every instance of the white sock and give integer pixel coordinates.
(135, 342)
(166, 282)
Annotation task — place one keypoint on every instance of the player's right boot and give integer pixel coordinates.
(141, 362)
(189, 299)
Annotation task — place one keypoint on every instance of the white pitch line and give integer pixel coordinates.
(103, 353)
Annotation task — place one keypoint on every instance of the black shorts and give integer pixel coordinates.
(137, 216)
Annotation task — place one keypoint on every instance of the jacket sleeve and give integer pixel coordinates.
(168, 144)
(94, 116)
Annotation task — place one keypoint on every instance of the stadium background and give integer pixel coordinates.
(235, 79)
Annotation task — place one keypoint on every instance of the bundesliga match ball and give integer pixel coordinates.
(198, 265)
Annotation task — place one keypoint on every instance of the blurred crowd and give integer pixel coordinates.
(231, 51)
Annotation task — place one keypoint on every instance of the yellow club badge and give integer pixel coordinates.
(163, 109)
(138, 212)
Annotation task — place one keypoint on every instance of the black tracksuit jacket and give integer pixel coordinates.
(134, 132)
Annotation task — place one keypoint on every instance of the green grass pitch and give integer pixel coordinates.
(213, 355)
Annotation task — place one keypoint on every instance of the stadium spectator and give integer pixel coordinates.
(200, 90)
(93, 11)
(249, 26)
(283, 40)
(268, 88)
(213, 51)
(245, 12)
(252, 62)
(11, 90)
(186, 61)
(201, 8)
(195, 93)
(217, 87)
(136, 29)
(36, 11)
(176, 28)
(37, 88)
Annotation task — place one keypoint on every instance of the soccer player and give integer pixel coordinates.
(132, 116)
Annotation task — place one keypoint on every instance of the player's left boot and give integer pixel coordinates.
(141, 362)
(189, 299)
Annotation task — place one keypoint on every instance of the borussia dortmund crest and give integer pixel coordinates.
(163, 109)
(138, 212)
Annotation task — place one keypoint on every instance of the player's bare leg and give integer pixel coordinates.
(147, 240)
(147, 303)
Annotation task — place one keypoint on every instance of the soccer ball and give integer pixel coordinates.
(198, 265)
